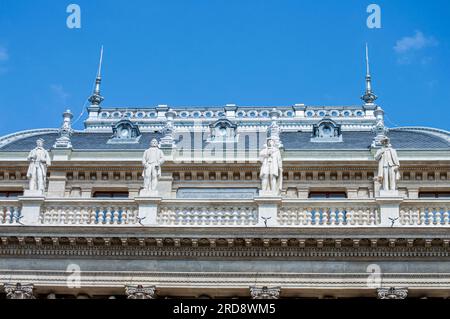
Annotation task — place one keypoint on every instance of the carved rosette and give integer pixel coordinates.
(140, 292)
(392, 293)
(19, 291)
(265, 292)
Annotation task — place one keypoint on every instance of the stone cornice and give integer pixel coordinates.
(234, 253)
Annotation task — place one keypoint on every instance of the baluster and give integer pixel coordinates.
(115, 217)
(70, 212)
(92, 215)
(101, 215)
(446, 216)
(8, 216)
(131, 216)
(123, 216)
(2, 215)
(317, 216)
(437, 216)
(79, 216)
(108, 215)
(414, 216)
(329, 216)
(341, 216)
(85, 217)
(295, 216)
(217, 216)
(62, 216)
(422, 216)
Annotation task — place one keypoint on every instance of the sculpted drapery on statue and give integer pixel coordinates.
(152, 160)
(271, 173)
(388, 166)
(37, 170)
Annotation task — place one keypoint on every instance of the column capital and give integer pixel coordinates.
(19, 291)
(265, 292)
(140, 292)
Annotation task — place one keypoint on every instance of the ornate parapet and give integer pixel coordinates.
(19, 291)
(257, 212)
(265, 292)
(392, 293)
(140, 292)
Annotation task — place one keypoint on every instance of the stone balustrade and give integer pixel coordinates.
(258, 212)
(10, 213)
(329, 214)
(89, 213)
(429, 213)
(208, 215)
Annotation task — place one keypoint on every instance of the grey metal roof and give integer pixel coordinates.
(363, 140)
(353, 140)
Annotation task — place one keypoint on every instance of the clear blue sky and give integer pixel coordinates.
(211, 52)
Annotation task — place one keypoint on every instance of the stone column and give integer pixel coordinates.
(19, 291)
(265, 292)
(268, 210)
(140, 292)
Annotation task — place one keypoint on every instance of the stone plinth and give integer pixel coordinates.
(148, 208)
(389, 209)
(268, 210)
(31, 207)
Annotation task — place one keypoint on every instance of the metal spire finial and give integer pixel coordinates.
(96, 97)
(369, 97)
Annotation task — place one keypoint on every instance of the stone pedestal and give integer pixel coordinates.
(384, 193)
(148, 193)
(31, 207)
(389, 209)
(268, 210)
(148, 209)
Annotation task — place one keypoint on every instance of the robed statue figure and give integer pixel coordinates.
(39, 160)
(388, 166)
(271, 173)
(152, 160)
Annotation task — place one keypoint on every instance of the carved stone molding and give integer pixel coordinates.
(265, 292)
(140, 292)
(19, 291)
(392, 293)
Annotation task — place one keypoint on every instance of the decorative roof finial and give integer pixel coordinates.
(369, 97)
(96, 97)
(379, 128)
(65, 131)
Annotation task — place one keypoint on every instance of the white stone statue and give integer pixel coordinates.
(271, 173)
(152, 161)
(37, 170)
(388, 166)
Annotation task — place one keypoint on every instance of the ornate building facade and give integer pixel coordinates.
(228, 202)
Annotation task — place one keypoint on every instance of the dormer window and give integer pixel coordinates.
(222, 130)
(125, 131)
(326, 131)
